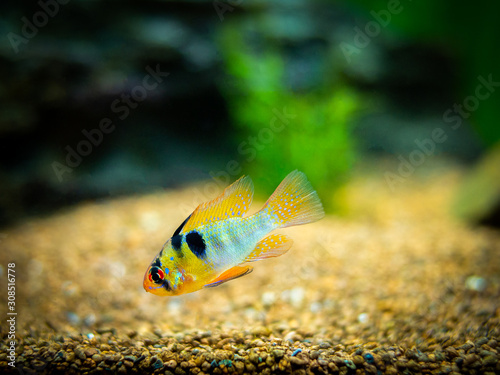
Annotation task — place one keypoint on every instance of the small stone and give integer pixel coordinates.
(278, 353)
(401, 365)
(158, 364)
(97, 358)
(268, 298)
(451, 352)
(297, 361)
(470, 359)
(363, 318)
(254, 358)
(292, 336)
(260, 331)
(269, 361)
(250, 367)
(131, 358)
(173, 364)
(240, 366)
(314, 354)
(412, 365)
(485, 353)
(481, 341)
(350, 364)
(80, 353)
(490, 361)
(205, 366)
(89, 352)
(258, 343)
(323, 362)
(333, 367)
(358, 360)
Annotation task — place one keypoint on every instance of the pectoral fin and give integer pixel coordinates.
(271, 246)
(228, 275)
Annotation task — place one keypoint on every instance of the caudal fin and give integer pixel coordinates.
(294, 202)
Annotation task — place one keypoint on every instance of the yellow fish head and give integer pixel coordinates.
(163, 278)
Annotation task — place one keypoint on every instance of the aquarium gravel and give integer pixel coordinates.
(395, 285)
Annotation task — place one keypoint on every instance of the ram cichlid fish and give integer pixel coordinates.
(216, 243)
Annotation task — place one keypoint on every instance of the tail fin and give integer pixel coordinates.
(294, 202)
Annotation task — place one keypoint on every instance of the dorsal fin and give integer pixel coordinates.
(234, 201)
(178, 230)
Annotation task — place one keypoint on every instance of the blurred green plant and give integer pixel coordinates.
(471, 34)
(280, 130)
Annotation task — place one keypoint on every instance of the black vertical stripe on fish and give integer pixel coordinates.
(196, 244)
(166, 285)
(157, 263)
(178, 230)
(176, 242)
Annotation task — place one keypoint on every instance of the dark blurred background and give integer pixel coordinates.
(105, 98)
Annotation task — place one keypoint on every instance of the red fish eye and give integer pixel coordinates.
(161, 274)
(156, 275)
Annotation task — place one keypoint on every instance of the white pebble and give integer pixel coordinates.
(89, 320)
(175, 306)
(476, 283)
(297, 296)
(363, 318)
(268, 298)
(315, 307)
(69, 288)
(72, 317)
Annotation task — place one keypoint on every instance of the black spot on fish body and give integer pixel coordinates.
(166, 285)
(176, 242)
(178, 230)
(196, 244)
(157, 263)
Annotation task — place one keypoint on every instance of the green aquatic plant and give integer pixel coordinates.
(280, 128)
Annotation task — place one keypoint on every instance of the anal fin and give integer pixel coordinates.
(271, 246)
(230, 274)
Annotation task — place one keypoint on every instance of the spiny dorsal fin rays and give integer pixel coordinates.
(234, 201)
(178, 230)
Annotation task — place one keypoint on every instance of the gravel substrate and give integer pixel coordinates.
(394, 286)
